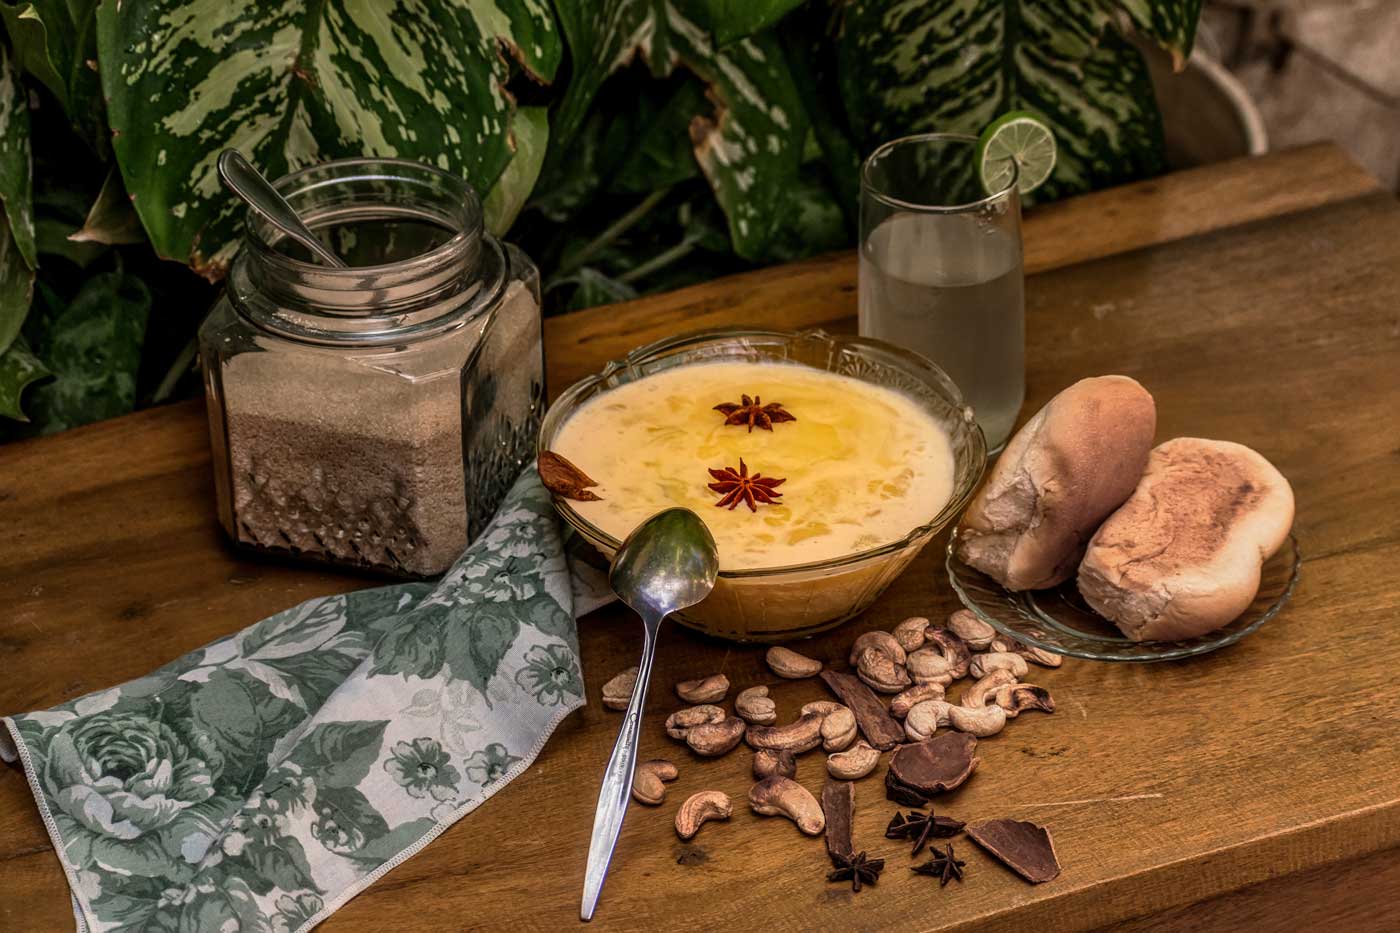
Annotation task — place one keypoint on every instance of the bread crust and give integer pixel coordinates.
(1072, 464)
(1182, 557)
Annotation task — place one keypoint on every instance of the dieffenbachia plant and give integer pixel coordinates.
(642, 132)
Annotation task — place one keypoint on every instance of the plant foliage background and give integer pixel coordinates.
(628, 145)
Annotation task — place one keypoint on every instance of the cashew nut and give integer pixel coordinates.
(618, 691)
(974, 631)
(753, 706)
(880, 641)
(1017, 698)
(925, 718)
(929, 666)
(955, 651)
(838, 729)
(699, 809)
(878, 669)
(1040, 655)
(854, 763)
(903, 702)
(984, 664)
(796, 737)
(780, 796)
(1004, 643)
(648, 783)
(713, 739)
(683, 720)
(821, 708)
(770, 761)
(981, 722)
(980, 693)
(910, 633)
(704, 690)
(788, 663)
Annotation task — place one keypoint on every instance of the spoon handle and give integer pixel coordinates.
(617, 779)
(255, 190)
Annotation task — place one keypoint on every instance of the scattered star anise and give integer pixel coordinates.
(741, 487)
(752, 411)
(921, 827)
(942, 866)
(857, 869)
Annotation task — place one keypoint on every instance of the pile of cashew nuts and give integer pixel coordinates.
(916, 663)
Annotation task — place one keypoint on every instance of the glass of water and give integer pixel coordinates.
(940, 270)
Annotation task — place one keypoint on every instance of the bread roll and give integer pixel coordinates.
(1071, 465)
(1182, 556)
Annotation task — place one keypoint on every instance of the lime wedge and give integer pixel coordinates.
(1023, 139)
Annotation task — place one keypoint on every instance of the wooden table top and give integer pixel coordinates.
(1258, 300)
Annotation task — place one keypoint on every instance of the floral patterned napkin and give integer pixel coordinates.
(262, 781)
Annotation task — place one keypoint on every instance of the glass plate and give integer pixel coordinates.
(1059, 620)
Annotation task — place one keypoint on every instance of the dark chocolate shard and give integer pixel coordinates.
(564, 479)
(935, 765)
(873, 719)
(1025, 848)
(902, 795)
(839, 806)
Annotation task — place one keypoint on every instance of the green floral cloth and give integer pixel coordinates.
(260, 782)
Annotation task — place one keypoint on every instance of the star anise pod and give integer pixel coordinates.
(752, 411)
(741, 487)
(921, 827)
(857, 869)
(942, 866)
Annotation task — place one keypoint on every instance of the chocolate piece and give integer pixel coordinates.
(1025, 848)
(934, 765)
(564, 479)
(874, 720)
(902, 795)
(839, 805)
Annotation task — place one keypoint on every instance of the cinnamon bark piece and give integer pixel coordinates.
(875, 722)
(839, 805)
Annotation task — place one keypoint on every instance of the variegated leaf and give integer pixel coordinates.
(728, 20)
(18, 368)
(290, 84)
(16, 173)
(1171, 22)
(529, 138)
(909, 66)
(55, 42)
(748, 142)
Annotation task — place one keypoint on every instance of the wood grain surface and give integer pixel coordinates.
(1265, 313)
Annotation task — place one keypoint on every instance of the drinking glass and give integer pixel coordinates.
(941, 273)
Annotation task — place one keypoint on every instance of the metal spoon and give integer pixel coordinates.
(668, 563)
(242, 179)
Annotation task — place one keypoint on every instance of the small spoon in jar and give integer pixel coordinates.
(667, 563)
(254, 190)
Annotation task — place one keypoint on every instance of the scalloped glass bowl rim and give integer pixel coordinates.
(913, 363)
(1180, 649)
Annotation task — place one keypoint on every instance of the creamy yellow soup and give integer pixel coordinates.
(861, 465)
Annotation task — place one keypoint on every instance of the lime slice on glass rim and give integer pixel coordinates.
(1023, 139)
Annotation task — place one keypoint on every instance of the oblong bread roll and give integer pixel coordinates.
(1067, 468)
(1182, 556)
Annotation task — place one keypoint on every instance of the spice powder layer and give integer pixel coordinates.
(862, 465)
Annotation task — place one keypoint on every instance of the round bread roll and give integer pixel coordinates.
(1183, 554)
(1071, 465)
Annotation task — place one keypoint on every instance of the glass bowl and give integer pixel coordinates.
(1059, 620)
(777, 603)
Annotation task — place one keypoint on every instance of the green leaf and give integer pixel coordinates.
(54, 237)
(339, 754)
(16, 174)
(658, 152)
(290, 84)
(1172, 23)
(111, 219)
(907, 68)
(529, 139)
(55, 41)
(18, 368)
(476, 640)
(593, 287)
(93, 347)
(16, 291)
(733, 19)
(748, 143)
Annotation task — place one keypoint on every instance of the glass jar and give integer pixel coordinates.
(372, 416)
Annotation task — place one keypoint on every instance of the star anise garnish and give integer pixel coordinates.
(753, 412)
(857, 869)
(741, 487)
(942, 866)
(921, 827)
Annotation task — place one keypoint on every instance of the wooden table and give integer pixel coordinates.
(1257, 786)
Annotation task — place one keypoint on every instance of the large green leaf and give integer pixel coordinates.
(955, 66)
(728, 20)
(529, 139)
(111, 219)
(748, 141)
(55, 41)
(18, 368)
(16, 287)
(16, 178)
(1171, 22)
(289, 84)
